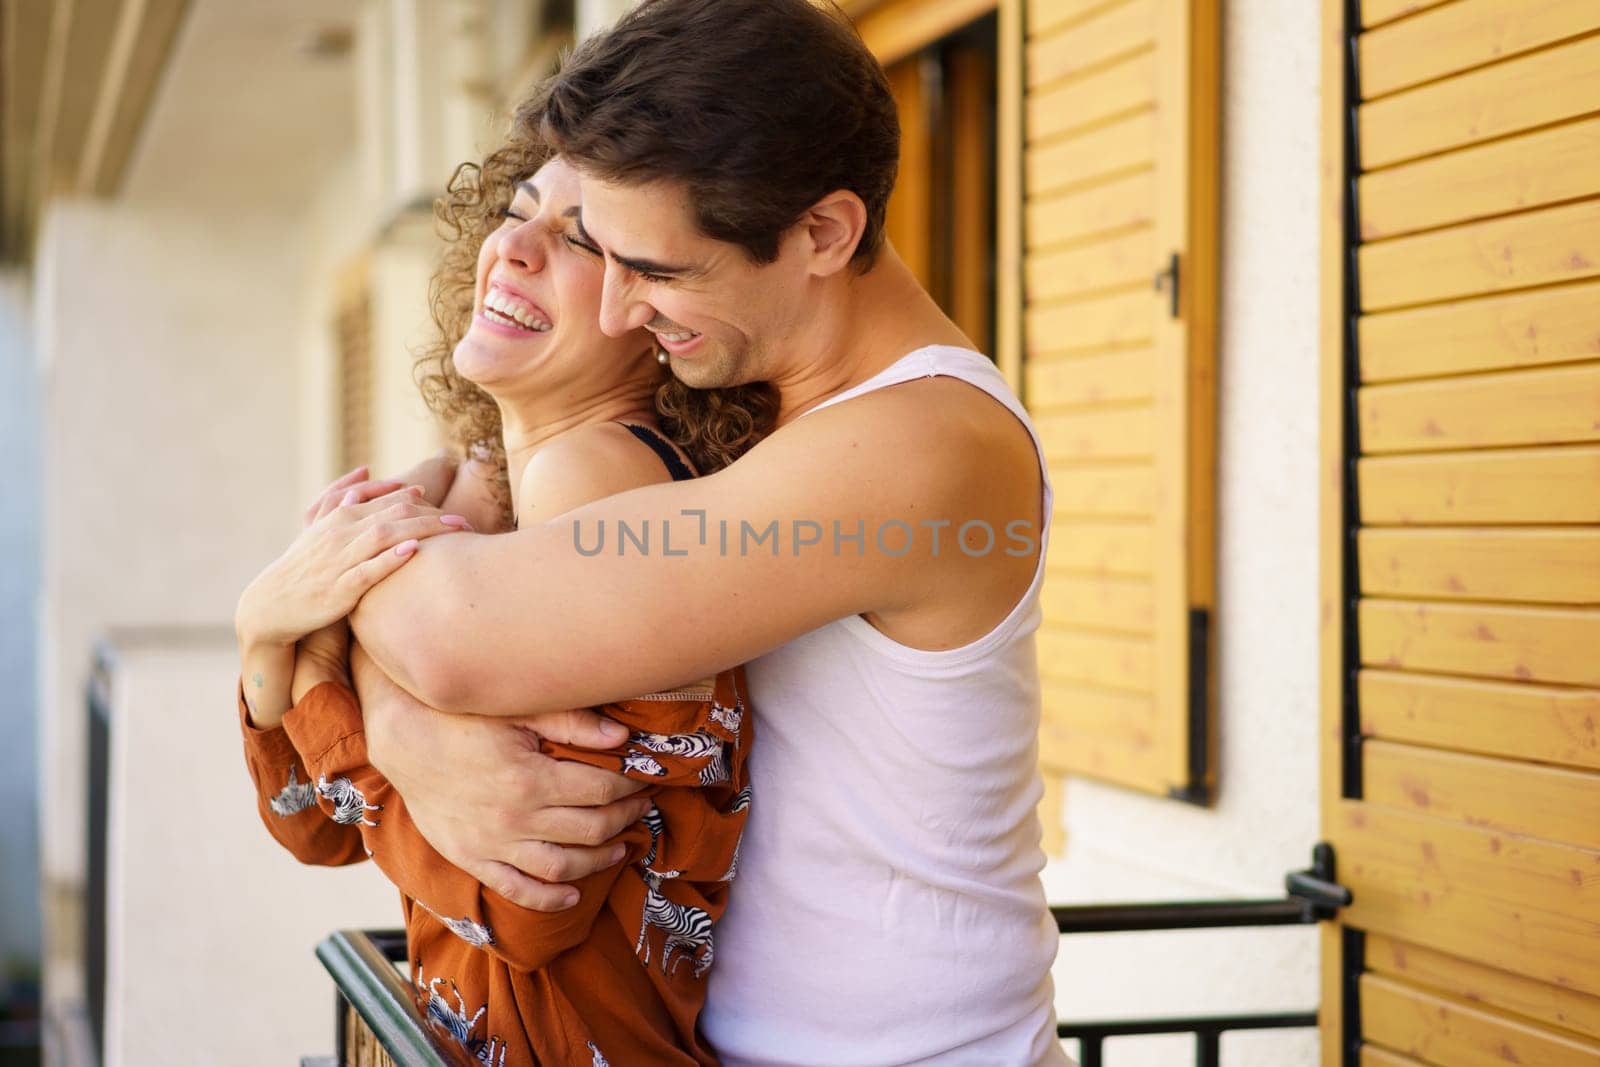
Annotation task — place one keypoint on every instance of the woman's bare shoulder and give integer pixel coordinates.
(584, 465)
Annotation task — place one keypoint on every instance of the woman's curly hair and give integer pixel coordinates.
(714, 426)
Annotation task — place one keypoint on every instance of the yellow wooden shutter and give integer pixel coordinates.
(1461, 548)
(352, 330)
(1120, 190)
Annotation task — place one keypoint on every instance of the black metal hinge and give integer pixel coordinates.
(1317, 888)
(1166, 281)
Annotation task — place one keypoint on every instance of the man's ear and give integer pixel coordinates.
(833, 227)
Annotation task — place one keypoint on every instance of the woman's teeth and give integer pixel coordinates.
(676, 338)
(497, 307)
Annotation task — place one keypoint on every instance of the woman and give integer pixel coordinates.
(570, 417)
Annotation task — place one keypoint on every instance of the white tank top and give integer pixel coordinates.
(888, 908)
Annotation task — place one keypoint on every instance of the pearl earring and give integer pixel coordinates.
(661, 356)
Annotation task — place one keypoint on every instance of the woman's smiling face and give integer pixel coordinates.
(538, 294)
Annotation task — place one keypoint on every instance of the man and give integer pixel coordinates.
(876, 561)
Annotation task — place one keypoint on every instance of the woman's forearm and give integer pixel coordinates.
(267, 670)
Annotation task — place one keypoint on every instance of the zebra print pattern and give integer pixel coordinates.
(728, 718)
(474, 934)
(454, 1022)
(688, 928)
(640, 763)
(293, 798)
(698, 745)
(349, 806)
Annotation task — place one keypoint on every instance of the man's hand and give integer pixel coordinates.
(481, 793)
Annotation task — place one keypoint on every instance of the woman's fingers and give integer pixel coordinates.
(385, 531)
(335, 489)
(362, 493)
(385, 549)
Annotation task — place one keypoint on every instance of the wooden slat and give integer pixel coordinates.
(1115, 433)
(1084, 45)
(1531, 407)
(1464, 35)
(1377, 12)
(1118, 204)
(1548, 566)
(1534, 485)
(1101, 152)
(1559, 325)
(1551, 724)
(1498, 794)
(1371, 1055)
(1108, 263)
(1117, 662)
(1526, 171)
(1558, 244)
(1126, 319)
(1107, 547)
(1554, 645)
(1126, 491)
(1044, 16)
(1546, 87)
(1519, 904)
(1085, 101)
(1492, 988)
(1097, 603)
(1441, 1029)
(1127, 374)
(1099, 732)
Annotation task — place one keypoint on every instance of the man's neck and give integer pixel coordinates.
(881, 316)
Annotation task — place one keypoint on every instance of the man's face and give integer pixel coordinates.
(720, 316)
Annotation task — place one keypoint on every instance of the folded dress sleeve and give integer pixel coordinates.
(326, 727)
(286, 798)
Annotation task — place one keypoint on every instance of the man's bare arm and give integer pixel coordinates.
(528, 622)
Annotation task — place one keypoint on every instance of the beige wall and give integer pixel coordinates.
(211, 926)
(169, 407)
(1127, 846)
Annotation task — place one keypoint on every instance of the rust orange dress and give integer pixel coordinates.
(618, 979)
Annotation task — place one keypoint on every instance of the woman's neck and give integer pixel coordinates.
(525, 429)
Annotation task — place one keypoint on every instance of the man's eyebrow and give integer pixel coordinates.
(637, 266)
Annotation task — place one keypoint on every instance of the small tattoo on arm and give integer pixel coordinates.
(256, 678)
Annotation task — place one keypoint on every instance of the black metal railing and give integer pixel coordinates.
(369, 986)
(369, 990)
(1312, 896)
(98, 709)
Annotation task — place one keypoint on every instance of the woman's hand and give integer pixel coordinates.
(333, 563)
(488, 801)
(436, 475)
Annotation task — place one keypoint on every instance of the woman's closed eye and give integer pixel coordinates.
(582, 245)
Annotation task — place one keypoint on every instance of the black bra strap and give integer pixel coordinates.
(675, 466)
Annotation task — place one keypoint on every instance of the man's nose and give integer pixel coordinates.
(620, 312)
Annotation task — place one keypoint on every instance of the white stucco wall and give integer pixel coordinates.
(1123, 845)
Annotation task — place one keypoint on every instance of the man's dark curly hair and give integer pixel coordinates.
(760, 108)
